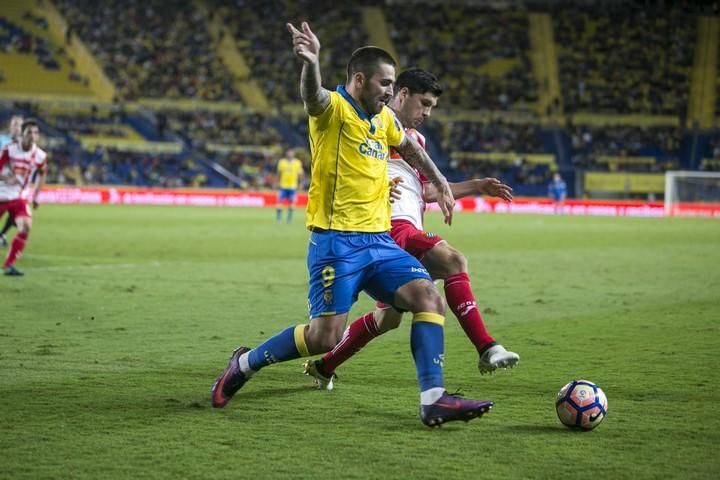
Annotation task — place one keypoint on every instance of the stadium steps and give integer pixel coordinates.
(23, 73)
(545, 64)
(86, 64)
(701, 108)
(376, 26)
(234, 60)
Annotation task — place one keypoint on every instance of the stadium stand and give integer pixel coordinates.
(625, 58)
(32, 61)
(152, 49)
(481, 55)
(626, 148)
(261, 35)
(180, 117)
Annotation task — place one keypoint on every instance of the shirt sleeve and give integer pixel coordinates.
(395, 132)
(323, 120)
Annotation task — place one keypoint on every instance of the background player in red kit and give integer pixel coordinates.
(13, 134)
(416, 93)
(18, 162)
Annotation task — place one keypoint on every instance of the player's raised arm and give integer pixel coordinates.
(306, 47)
(482, 186)
(416, 156)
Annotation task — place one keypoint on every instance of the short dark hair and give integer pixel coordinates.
(366, 60)
(30, 122)
(417, 80)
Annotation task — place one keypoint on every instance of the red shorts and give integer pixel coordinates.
(16, 208)
(414, 241)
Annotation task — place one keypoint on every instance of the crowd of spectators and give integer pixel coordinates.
(152, 49)
(625, 57)
(457, 42)
(496, 136)
(590, 144)
(108, 166)
(78, 125)
(262, 37)
(202, 127)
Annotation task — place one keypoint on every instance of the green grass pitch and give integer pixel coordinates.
(110, 343)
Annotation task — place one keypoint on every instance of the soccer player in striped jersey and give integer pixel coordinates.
(351, 132)
(5, 139)
(416, 94)
(18, 162)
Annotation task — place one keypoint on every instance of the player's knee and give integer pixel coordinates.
(24, 228)
(457, 261)
(429, 300)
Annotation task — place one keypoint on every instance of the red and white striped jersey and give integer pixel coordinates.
(411, 205)
(22, 164)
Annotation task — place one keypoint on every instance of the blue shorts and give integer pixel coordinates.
(287, 194)
(341, 264)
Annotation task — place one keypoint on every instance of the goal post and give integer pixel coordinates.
(692, 193)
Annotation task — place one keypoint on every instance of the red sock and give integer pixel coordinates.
(461, 301)
(356, 336)
(16, 248)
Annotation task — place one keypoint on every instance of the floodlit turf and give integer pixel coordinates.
(110, 343)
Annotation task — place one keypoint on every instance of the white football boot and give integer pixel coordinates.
(321, 381)
(497, 357)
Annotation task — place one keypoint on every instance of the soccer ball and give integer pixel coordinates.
(581, 404)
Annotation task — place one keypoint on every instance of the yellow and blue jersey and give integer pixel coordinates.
(349, 187)
(289, 171)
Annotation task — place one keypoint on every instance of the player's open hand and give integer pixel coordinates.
(395, 192)
(306, 45)
(495, 188)
(446, 201)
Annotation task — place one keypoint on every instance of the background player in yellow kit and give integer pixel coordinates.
(289, 175)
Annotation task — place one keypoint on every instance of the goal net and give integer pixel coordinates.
(689, 193)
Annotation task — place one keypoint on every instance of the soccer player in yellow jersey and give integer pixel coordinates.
(348, 213)
(290, 172)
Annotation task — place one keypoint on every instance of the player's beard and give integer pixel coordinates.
(374, 103)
